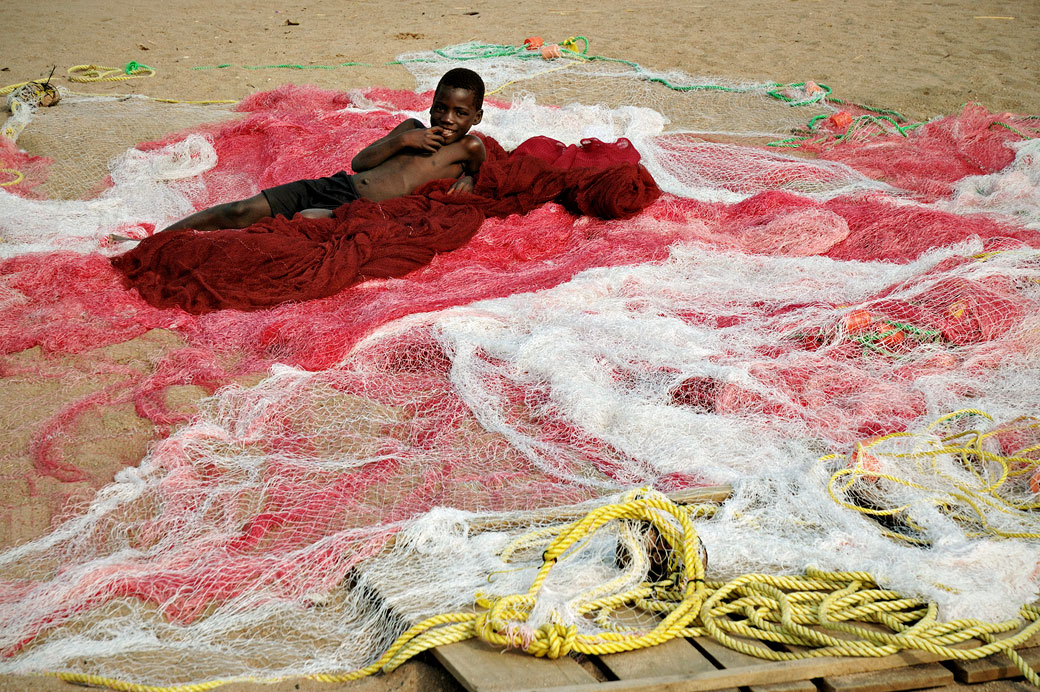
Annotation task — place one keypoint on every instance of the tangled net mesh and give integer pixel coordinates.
(846, 336)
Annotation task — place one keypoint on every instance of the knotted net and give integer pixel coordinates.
(849, 342)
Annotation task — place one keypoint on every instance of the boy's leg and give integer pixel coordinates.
(240, 214)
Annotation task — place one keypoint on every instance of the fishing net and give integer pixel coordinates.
(848, 345)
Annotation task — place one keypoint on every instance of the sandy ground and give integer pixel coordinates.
(921, 58)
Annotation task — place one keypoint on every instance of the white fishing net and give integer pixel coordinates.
(857, 365)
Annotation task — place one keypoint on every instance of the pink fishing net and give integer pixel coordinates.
(940, 153)
(552, 359)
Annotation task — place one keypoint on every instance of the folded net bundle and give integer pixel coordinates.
(847, 342)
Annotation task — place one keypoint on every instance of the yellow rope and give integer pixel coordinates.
(100, 681)
(991, 492)
(18, 176)
(151, 98)
(89, 73)
(97, 73)
(806, 611)
(824, 612)
(11, 87)
(195, 103)
(572, 52)
(537, 74)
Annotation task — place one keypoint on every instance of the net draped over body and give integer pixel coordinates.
(278, 260)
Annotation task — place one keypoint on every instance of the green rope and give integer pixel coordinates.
(886, 124)
(879, 120)
(1016, 131)
(479, 51)
(133, 67)
(815, 119)
(874, 341)
(880, 111)
(484, 51)
(676, 87)
(409, 61)
(814, 98)
(919, 332)
(290, 66)
(888, 121)
(284, 66)
(571, 43)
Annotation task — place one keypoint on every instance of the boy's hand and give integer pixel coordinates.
(428, 139)
(463, 184)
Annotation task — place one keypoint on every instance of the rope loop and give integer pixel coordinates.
(18, 177)
(99, 73)
(824, 613)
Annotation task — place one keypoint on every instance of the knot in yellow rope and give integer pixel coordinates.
(825, 613)
(553, 640)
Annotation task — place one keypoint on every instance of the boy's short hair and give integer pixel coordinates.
(461, 78)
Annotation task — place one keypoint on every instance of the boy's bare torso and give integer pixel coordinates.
(405, 172)
(395, 165)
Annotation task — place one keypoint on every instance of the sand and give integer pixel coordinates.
(923, 59)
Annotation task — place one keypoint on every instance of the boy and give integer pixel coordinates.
(395, 165)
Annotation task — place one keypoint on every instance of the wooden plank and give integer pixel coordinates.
(894, 680)
(795, 686)
(1018, 685)
(674, 657)
(709, 494)
(479, 668)
(996, 667)
(775, 672)
(728, 658)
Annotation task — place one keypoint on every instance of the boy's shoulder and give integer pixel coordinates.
(473, 144)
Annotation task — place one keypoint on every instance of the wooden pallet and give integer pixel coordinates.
(699, 665)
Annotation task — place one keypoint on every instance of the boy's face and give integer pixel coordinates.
(454, 113)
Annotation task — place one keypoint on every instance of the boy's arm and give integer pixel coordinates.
(475, 156)
(411, 134)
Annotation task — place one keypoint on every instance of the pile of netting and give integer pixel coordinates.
(842, 339)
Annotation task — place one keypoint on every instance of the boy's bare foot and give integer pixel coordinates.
(116, 238)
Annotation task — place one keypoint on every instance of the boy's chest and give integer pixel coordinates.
(448, 158)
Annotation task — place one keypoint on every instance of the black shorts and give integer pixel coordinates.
(330, 192)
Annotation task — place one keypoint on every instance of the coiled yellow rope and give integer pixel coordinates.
(989, 483)
(825, 612)
(97, 73)
(17, 176)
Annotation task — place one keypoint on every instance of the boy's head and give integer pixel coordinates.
(458, 103)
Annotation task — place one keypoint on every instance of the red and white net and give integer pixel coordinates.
(280, 492)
